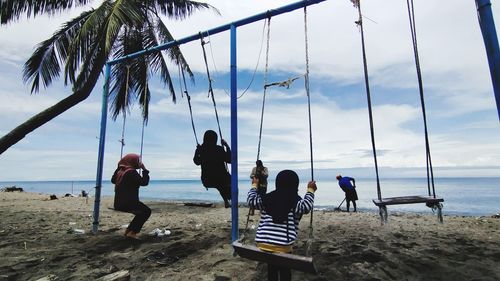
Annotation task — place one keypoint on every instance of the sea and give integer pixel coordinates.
(479, 196)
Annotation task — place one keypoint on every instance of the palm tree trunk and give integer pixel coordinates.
(50, 113)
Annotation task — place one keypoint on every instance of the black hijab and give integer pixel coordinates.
(279, 202)
(210, 138)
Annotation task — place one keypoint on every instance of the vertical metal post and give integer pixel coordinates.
(100, 156)
(234, 138)
(487, 25)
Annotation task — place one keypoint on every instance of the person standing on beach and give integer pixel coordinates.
(127, 183)
(213, 159)
(260, 173)
(349, 190)
(281, 211)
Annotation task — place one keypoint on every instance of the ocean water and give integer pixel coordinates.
(463, 196)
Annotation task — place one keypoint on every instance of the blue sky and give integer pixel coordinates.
(463, 122)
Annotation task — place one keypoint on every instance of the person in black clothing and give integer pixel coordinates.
(213, 159)
(127, 183)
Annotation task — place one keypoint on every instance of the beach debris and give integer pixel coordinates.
(53, 197)
(198, 225)
(25, 246)
(162, 258)
(78, 231)
(496, 216)
(12, 189)
(199, 204)
(122, 275)
(50, 277)
(160, 232)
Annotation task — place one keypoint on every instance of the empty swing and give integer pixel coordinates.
(284, 260)
(431, 200)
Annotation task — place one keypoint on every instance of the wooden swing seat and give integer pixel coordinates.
(407, 200)
(428, 200)
(251, 252)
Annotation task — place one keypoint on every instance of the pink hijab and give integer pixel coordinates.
(128, 163)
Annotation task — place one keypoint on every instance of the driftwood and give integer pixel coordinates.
(199, 204)
(12, 189)
(122, 275)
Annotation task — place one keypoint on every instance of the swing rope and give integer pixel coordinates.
(311, 236)
(306, 81)
(266, 69)
(144, 119)
(359, 23)
(185, 91)
(262, 113)
(122, 141)
(430, 173)
(210, 89)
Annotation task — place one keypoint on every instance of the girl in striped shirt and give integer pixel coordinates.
(281, 211)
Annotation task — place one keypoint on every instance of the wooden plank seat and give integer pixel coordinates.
(428, 200)
(296, 262)
(407, 200)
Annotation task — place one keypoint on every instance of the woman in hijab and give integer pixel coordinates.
(127, 183)
(281, 211)
(213, 159)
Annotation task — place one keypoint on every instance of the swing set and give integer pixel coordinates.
(430, 200)
(302, 263)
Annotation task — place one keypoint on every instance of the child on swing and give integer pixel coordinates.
(281, 211)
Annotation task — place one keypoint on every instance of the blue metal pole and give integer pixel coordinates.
(234, 138)
(100, 156)
(222, 28)
(490, 38)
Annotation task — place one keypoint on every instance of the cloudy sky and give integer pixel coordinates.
(463, 121)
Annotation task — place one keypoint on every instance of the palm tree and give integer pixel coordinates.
(81, 47)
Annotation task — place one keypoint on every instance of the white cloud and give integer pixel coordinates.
(455, 74)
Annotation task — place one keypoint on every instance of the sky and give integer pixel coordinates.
(463, 123)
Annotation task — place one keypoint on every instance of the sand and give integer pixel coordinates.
(38, 239)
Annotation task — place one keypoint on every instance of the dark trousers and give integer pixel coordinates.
(353, 204)
(225, 191)
(141, 212)
(276, 273)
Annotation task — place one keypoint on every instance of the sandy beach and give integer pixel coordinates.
(39, 238)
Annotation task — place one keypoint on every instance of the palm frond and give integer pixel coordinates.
(11, 10)
(45, 63)
(122, 13)
(156, 59)
(120, 90)
(174, 53)
(129, 41)
(181, 9)
(87, 34)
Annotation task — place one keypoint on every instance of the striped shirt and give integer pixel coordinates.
(283, 234)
